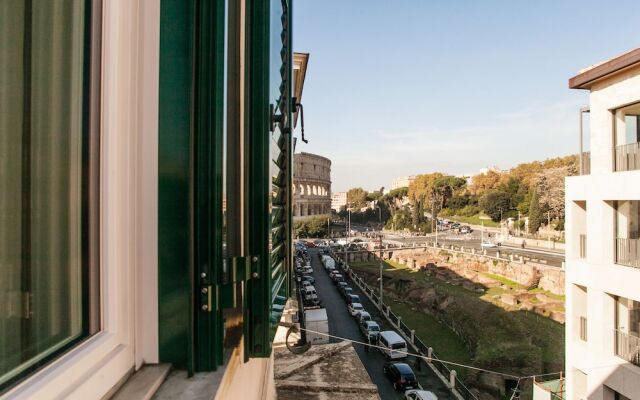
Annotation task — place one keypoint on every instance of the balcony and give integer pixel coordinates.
(627, 157)
(628, 252)
(584, 160)
(627, 347)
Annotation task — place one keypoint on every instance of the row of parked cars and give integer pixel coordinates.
(390, 343)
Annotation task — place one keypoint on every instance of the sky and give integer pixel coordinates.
(404, 87)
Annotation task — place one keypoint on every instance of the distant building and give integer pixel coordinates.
(339, 201)
(603, 237)
(311, 185)
(403, 181)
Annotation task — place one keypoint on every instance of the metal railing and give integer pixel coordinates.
(422, 348)
(627, 157)
(585, 162)
(582, 321)
(627, 347)
(628, 252)
(583, 246)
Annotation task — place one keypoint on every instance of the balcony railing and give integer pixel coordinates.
(628, 347)
(628, 252)
(583, 246)
(585, 162)
(627, 157)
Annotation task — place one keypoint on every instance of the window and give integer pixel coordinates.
(627, 233)
(48, 182)
(585, 142)
(627, 329)
(627, 138)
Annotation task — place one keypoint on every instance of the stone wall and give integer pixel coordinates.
(471, 266)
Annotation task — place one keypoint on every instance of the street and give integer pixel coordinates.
(343, 325)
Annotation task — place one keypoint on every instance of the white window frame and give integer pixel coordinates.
(128, 215)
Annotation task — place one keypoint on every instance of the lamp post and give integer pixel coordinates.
(380, 259)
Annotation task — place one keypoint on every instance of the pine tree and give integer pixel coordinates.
(535, 212)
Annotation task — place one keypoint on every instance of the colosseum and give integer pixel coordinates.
(311, 185)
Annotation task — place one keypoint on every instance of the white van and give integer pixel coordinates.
(392, 345)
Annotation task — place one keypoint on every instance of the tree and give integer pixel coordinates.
(495, 203)
(486, 181)
(535, 212)
(356, 198)
(550, 186)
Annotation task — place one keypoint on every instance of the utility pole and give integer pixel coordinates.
(380, 262)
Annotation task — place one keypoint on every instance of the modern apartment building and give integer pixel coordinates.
(603, 237)
(145, 193)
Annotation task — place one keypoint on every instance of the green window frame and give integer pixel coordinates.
(269, 127)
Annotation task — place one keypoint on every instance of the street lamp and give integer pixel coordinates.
(380, 259)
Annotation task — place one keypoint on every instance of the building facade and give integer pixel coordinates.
(403, 181)
(312, 185)
(126, 193)
(339, 201)
(603, 237)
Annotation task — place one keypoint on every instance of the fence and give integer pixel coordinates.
(628, 252)
(627, 157)
(459, 388)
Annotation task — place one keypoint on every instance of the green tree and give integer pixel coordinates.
(535, 212)
(356, 198)
(495, 204)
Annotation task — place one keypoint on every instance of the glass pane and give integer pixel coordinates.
(41, 142)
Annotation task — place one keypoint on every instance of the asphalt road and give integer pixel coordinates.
(342, 324)
(473, 240)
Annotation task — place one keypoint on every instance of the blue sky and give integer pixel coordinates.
(405, 87)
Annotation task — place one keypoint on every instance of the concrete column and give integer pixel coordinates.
(429, 354)
(452, 378)
(413, 336)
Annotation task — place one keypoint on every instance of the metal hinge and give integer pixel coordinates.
(236, 270)
(19, 304)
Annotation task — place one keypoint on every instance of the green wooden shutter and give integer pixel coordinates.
(269, 170)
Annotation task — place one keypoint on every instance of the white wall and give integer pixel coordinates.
(598, 272)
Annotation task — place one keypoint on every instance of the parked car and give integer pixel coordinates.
(464, 229)
(401, 375)
(487, 245)
(332, 273)
(419, 395)
(352, 298)
(364, 316)
(355, 308)
(370, 330)
(392, 345)
(341, 286)
(338, 278)
(309, 279)
(347, 290)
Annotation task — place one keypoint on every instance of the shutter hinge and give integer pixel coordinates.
(237, 270)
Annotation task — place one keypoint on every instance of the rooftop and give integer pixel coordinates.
(588, 76)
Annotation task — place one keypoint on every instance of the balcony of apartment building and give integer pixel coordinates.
(626, 152)
(627, 240)
(627, 330)
(584, 156)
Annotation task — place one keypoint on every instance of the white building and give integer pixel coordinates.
(403, 181)
(603, 246)
(338, 201)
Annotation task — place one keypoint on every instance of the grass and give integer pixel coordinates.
(507, 338)
(504, 281)
(474, 220)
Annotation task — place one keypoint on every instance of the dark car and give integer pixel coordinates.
(341, 286)
(401, 375)
(345, 290)
(352, 298)
(309, 279)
